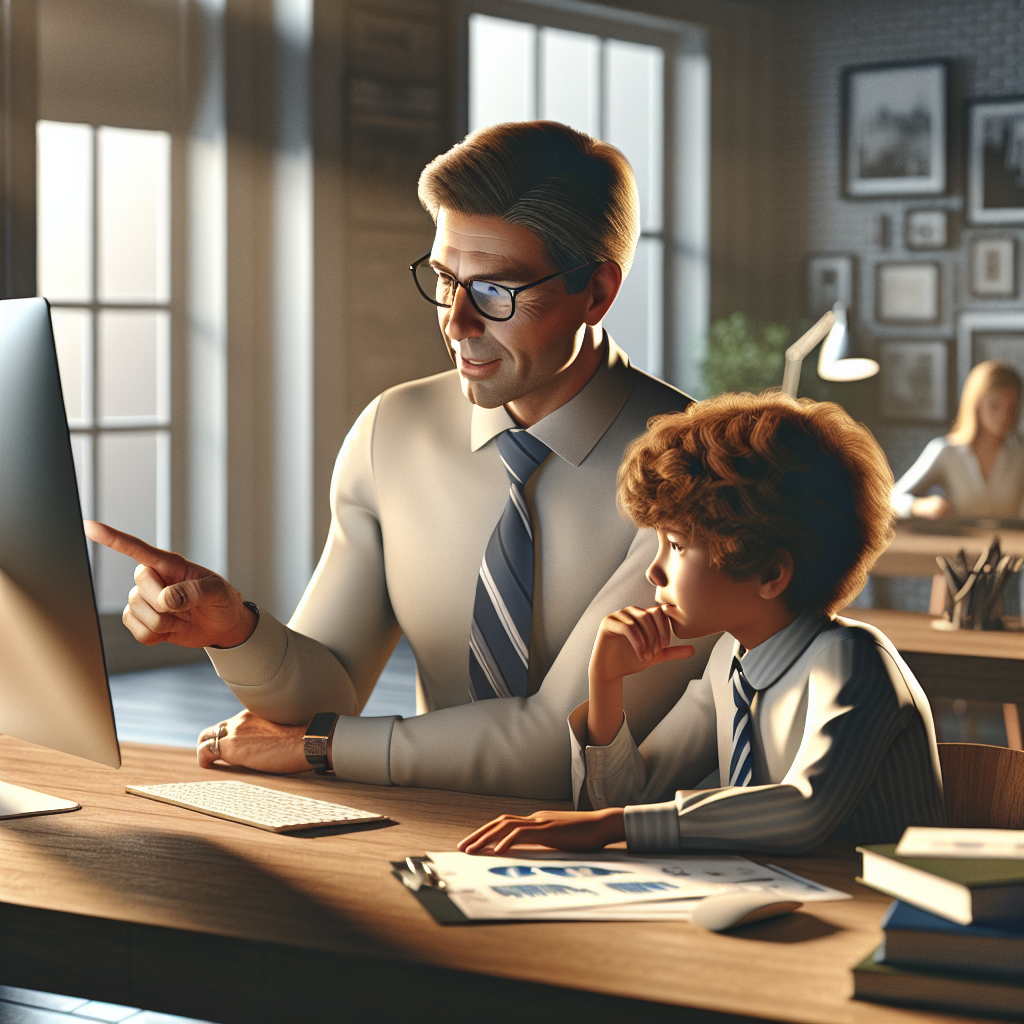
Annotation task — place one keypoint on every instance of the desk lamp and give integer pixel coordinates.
(834, 363)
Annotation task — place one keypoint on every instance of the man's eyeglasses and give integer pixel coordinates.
(490, 300)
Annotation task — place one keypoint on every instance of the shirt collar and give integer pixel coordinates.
(572, 430)
(771, 659)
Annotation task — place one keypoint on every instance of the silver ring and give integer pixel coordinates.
(217, 736)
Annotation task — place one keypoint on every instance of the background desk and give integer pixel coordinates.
(144, 904)
(912, 552)
(970, 664)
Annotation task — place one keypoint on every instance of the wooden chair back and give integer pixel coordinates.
(983, 785)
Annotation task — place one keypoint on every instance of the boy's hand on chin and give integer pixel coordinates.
(575, 831)
(631, 640)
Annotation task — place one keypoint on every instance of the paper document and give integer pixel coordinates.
(968, 843)
(606, 886)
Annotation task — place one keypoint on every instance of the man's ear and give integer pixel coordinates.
(776, 576)
(604, 285)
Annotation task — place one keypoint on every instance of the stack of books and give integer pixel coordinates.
(954, 940)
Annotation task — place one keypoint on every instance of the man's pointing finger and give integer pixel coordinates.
(163, 561)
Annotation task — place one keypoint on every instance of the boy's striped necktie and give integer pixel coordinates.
(741, 764)
(499, 644)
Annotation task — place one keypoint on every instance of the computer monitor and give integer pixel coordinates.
(53, 678)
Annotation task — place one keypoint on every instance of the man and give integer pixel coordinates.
(536, 226)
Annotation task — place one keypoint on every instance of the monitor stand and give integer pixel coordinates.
(18, 802)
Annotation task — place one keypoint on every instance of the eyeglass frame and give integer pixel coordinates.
(513, 292)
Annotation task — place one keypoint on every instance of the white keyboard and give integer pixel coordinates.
(259, 806)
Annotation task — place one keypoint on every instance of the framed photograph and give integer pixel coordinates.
(995, 165)
(914, 380)
(989, 335)
(895, 130)
(907, 293)
(926, 229)
(993, 268)
(829, 280)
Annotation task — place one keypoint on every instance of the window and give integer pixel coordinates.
(613, 89)
(104, 253)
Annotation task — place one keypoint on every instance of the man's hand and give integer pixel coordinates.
(628, 641)
(253, 742)
(174, 600)
(576, 831)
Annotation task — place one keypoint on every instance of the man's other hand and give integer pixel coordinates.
(252, 742)
(174, 600)
(576, 831)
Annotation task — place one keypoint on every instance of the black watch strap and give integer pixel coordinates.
(317, 741)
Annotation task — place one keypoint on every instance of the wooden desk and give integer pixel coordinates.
(972, 664)
(912, 553)
(144, 904)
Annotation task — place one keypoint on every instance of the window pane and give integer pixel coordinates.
(133, 367)
(132, 470)
(570, 64)
(502, 71)
(64, 210)
(81, 450)
(72, 333)
(635, 320)
(134, 215)
(633, 118)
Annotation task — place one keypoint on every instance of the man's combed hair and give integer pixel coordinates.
(577, 194)
(750, 475)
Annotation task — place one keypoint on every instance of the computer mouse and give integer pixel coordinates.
(732, 909)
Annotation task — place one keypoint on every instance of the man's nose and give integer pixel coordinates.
(463, 319)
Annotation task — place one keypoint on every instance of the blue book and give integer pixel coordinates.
(915, 938)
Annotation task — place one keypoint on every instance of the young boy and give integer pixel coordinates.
(769, 512)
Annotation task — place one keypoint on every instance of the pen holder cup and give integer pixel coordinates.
(974, 592)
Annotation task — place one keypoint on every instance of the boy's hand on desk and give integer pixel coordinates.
(252, 742)
(174, 600)
(576, 831)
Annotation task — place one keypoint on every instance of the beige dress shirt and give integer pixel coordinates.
(417, 490)
(841, 735)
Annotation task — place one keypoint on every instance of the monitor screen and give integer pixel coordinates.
(53, 679)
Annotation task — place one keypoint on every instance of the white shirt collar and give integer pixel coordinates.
(772, 658)
(572, 430)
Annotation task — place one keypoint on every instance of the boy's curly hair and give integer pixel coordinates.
(750, 475)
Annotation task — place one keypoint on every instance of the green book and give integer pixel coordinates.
(959, 889)
(940, 990)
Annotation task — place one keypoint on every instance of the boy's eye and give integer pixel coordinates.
(674, 546)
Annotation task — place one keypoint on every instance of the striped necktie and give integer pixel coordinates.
(741, 765)
(499, 644)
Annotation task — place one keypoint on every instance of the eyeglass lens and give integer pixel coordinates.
(490, 299)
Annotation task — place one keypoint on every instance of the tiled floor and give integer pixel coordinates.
(171, 706)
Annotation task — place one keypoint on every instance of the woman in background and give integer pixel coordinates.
(979, 464)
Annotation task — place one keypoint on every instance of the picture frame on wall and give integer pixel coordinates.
(926, 229)
(995, 163)
(829, 280)
(913, 381)
(988, 334)
(907, 293)
(894, 130)
(993, 268)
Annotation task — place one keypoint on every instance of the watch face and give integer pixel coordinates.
(322, 724)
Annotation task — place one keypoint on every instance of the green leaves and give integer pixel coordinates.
(744, 354)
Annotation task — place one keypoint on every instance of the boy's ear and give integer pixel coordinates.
(777, 576)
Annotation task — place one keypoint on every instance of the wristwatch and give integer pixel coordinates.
(317, 741)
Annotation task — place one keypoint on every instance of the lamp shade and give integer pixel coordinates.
(834, 361)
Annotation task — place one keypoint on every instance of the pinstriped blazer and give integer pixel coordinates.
(842, 738)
